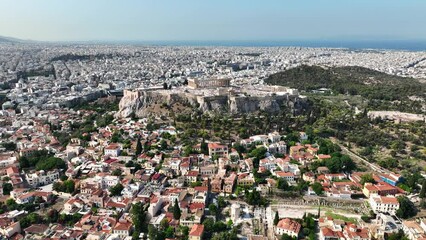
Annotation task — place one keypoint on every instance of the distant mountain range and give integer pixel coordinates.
(14, 40)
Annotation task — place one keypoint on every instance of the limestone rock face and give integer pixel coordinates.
(133, 102)
(146, 103)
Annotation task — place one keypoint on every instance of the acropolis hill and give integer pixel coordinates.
(212, 99)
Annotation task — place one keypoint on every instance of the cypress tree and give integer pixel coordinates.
(176, 210)
(276, 219)
(423, 191)
(138, 147)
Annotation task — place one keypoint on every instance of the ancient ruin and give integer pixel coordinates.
(231, 99)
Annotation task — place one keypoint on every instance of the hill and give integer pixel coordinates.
(351, 80)
(4, 39)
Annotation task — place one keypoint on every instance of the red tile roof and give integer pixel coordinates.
(289, 225)
(197, 230)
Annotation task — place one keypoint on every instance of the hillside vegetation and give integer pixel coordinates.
(371, 84)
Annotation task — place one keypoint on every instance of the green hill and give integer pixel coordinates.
(351, 80)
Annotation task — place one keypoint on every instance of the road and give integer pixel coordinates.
(355, 156)
(373, 166)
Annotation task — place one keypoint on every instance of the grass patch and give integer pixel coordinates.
(341, 217)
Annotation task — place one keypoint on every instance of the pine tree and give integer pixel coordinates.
(176, 210)
(138, 147)
(277, 218)
(423, 191)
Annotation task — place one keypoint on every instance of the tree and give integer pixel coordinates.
(50, 164)
(340, 163)
(185, 231)
(229, 223)
(367, 178)
(176, 210)
(282, 184)
(254, 198)
(52, 216)
(187, 151)
(423, 204)
(406, 208)
(152, 232)
(138, 215)
(287, 237)
(69, 186)
(276, 218)
(7, 188)
(317, 187)
(221, 202)
(169, 232)
(116, 190)
(411, 180)
(232, 235)
(213, 209)
(196, 184)
(117, 172)
(9, 146)
(258, 153)
(423, 191)
(136, 168)
(57, 186)
(69, 219)
(204, 148)
(365, 218)
(34, 217)
(400, 235)
(164, 224)
(138, 147)
(163, 144)
(208, 227)
(11, 204)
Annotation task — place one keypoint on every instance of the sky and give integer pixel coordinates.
(213, 20)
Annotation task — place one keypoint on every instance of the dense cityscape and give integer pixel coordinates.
(212, 120)
(57, 75)
(75, 164)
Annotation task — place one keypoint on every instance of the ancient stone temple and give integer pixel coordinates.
(196, 83)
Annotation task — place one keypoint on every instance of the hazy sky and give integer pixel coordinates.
(212, 19)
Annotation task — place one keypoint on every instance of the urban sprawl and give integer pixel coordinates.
(125, 177)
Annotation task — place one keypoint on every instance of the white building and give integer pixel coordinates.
(288, 176)
(131, 190)
(106, 182)
(260, 139)
(155, 206)
(413, 230)
(42, 178)
(274, 137)
(289, 227)
(113, 150)
(303, 136)
(277, 147)
(8, 228)
(7, 161)
(235, 212)
(218, 150)
(381, 204)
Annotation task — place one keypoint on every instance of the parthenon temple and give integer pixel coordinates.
(195, 83)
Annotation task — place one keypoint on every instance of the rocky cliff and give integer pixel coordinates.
(156, 102)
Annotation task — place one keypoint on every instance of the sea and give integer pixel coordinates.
(405, 45)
